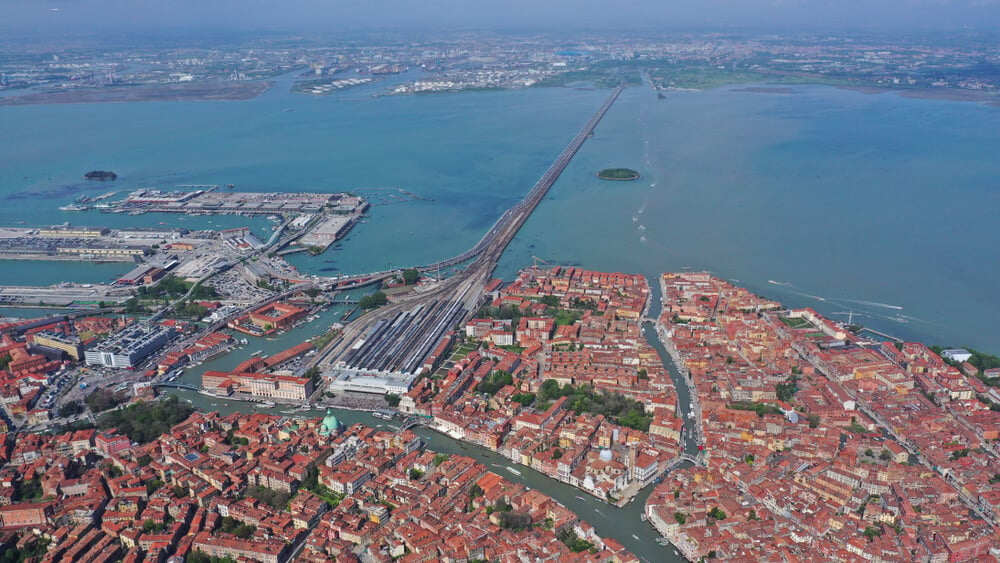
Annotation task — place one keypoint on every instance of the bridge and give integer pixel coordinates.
(410, 423)
(392, 342)
(528, 203)
(177, 385)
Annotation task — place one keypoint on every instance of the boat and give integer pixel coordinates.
(635, 537)
(578, 497)
(268, 405)
(514, 471)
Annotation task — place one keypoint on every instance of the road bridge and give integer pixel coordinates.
(393, 342)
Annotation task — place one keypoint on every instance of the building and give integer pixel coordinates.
(268, 319)
(957, 354)
(57, 341)
(69, 231)
(265, 551)
(28, 514)
(260, 385)
(110, 443)
(129, 347)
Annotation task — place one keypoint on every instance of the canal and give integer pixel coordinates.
(623, 524)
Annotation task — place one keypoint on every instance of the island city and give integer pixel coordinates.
(240, 390)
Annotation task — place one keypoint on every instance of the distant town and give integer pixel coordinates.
(935, 66)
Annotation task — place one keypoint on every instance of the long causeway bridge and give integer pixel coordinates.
(391, 343)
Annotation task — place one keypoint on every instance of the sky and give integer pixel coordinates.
(30, 17)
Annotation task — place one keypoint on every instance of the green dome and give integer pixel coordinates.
(330, 423)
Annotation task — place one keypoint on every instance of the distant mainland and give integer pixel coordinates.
(618, 174)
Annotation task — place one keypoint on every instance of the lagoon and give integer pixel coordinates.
(879, 205)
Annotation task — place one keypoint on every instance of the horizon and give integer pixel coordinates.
(42, 19)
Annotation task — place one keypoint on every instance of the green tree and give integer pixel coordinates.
(495, 382)
(410, 276)
(550, 300)
(71, 408)
(373, 300)
(872, 532)
(392, 399)
(681, 518)
(786, 391)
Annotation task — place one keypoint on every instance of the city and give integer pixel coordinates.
(240, 390)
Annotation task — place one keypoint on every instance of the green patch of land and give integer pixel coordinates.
(219, 91)
(795, 322)
(618, 174)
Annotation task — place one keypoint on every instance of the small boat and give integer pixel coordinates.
(578, 497)
(635, 537)
(514, 471)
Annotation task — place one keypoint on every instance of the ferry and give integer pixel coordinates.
(514, 471)
(383, 415)
(268, 405)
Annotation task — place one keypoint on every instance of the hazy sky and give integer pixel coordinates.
(26, 17)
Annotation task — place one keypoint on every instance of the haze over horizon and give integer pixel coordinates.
(26, 18)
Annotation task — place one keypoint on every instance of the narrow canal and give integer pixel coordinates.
(623, 524)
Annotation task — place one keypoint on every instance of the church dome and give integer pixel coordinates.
(330, 424)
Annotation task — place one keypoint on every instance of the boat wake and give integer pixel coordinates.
(874, 304)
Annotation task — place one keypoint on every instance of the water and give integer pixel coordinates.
(853, 198)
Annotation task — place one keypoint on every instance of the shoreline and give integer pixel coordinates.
(949, 94)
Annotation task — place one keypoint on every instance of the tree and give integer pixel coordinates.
(813, 420)
(71, 408)
(439, 459)
(392, 399)
(373, 300)
(787, 390)
(410, 276)
(557, 453)
(872, 532)
(717, 513)
(523, 398)
(549, 389)
(415, 474)
(550, 300)
(495, 382)
(869, 452)
(681, 518)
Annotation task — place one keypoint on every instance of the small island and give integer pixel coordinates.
(101, 175)
(619, 174)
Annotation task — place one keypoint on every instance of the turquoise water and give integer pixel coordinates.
(870, 202)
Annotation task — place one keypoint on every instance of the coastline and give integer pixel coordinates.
(949, 94)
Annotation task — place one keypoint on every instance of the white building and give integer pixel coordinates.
(129, 347)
